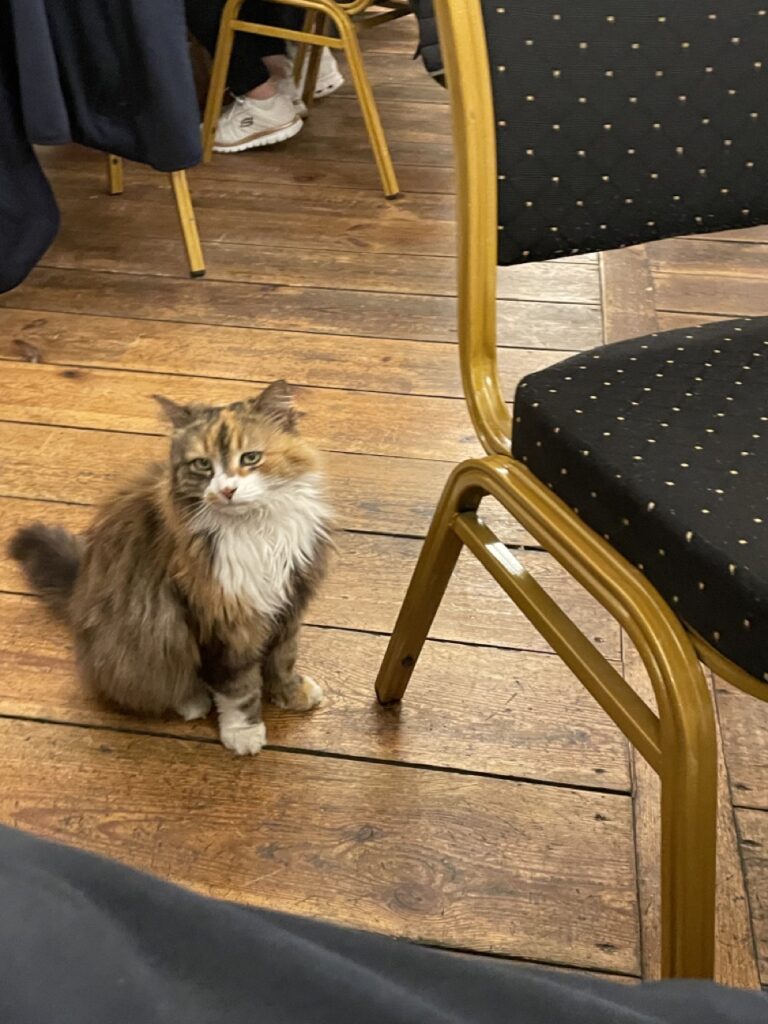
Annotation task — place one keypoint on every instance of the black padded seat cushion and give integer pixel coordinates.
(660, 444)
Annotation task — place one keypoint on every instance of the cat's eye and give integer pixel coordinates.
(200, 465)
(250, 458)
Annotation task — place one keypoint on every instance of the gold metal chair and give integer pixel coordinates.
(347, 19)
(679, 740)
(184, 208)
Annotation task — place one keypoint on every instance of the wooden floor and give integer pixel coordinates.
(497, 811)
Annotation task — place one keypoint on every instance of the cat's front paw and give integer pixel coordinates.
(303, 695)
(243, 739)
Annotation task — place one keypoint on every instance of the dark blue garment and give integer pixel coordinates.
(29, 217)
(87, 941)
(113, 75)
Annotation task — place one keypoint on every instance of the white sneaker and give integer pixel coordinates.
(248, 123)
(329, 78)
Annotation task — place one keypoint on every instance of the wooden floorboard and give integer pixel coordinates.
(373, 494)
(345, 421)
(202, 350)
(368, 314)
(495, 719)
(78, 249)
(277, 166)
(744, 722)
(730, 296)
(149, 209)
(669, 321)
(708, 256)
(478, 863)
(753, 828)
(391, 84)
(254, 202)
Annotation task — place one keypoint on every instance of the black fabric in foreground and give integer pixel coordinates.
(87, 941)
(660, 444)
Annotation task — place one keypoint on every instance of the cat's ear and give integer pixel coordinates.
(177, 415)
(277, 403)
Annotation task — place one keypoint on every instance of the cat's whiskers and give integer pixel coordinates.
(194, 518)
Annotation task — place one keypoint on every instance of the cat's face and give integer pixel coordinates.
(226, 461)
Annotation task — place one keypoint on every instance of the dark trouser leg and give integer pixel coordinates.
(247, 69)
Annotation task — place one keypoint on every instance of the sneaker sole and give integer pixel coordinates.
(269, 138)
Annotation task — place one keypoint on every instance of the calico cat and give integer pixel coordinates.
(192, 580)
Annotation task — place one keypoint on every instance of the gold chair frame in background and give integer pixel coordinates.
(184, 208)
(347, 19)
(679, 740)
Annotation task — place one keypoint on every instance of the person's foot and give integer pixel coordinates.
(287, 87)
(329, 78)
(247, 123)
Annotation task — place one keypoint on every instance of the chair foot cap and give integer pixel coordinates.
(387, 703)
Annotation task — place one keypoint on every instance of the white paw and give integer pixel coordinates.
(198, 706)
(243, 739)
(310, 694)
(307, 695)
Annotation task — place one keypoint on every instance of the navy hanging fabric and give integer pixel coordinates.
(29, 217)
(113, 75)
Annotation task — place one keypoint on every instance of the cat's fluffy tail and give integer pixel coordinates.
(50, 558)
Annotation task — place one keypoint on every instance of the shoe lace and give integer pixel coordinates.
(233, 110)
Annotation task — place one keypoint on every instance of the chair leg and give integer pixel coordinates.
(313, 67)
(680, 743)
(219, 71)
(689, 852)
(114, 175)
(348, 34)
(433, 572)
(302, 48)
(188, 223)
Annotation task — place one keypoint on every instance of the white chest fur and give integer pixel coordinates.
(257, 554)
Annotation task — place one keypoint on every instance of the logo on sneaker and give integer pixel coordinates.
(246, 122)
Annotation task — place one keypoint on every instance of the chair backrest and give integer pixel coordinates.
(614, 124)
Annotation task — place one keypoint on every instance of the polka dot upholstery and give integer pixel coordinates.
(660, 444)
(619, 122)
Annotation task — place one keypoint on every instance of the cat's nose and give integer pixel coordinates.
(227, 492)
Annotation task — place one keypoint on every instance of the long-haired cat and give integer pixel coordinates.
(193, 579)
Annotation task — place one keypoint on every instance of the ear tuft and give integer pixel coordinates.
(277, 403)
(177, 415)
